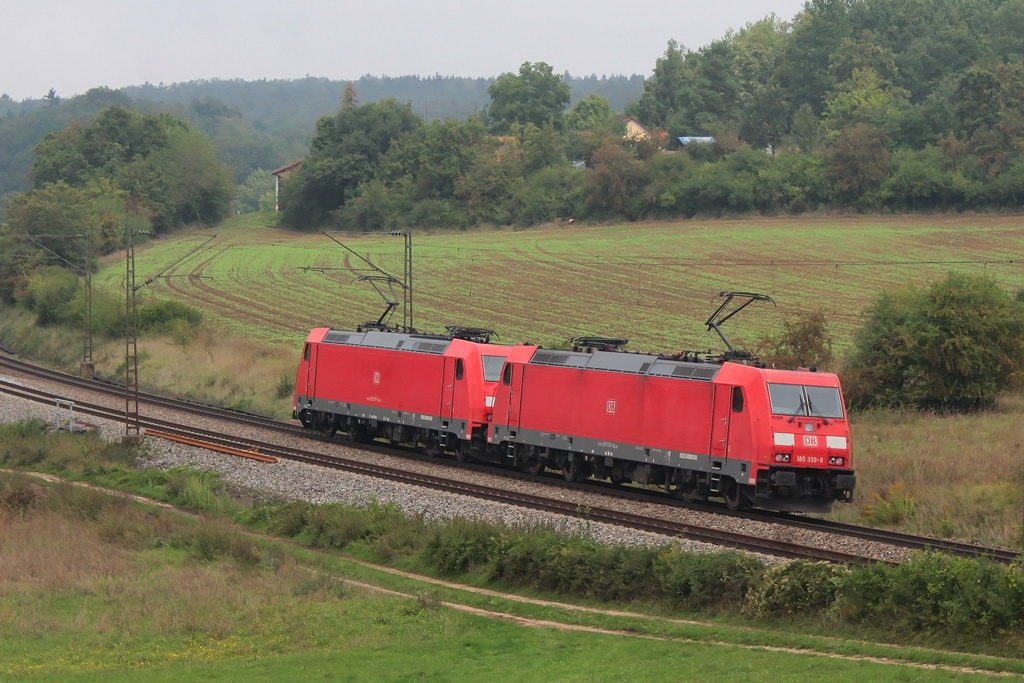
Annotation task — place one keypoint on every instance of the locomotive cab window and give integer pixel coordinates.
(795, 399)
(506, 377)
(737, 399)
(305, 353)
(492, 368)
(460, 369)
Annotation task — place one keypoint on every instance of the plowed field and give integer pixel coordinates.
(652, 283)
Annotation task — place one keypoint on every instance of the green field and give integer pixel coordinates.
(96, 588)
(653, 283)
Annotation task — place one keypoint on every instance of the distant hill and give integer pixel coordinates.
(266, 123)
(281, 106)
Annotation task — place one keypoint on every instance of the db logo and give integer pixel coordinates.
(376, 377)
(811, 441)
(610, 408)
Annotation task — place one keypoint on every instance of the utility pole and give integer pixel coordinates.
(88, 366)
(132, 431)
(407, 281)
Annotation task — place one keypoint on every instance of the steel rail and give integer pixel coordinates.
(530, 501)
(895, 538)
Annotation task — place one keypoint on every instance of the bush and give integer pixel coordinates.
(804, 341)
(161, 317)
(17, 494)
(285, 386)
(23, 444)
(49, 294)
(953, 347)
(935, 593)
(800, 587)
(460, 545)
(706, 580)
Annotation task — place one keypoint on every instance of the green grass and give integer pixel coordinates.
(81, 602)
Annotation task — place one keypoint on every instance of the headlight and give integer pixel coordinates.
(782, 457)
(836, 460)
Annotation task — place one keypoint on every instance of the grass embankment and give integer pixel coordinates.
(96, 587)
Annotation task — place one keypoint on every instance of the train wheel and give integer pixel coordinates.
(534, 467)
(572, 470)
(690, 494)
(357, 432)
(462, 451)
(734, 499)
(433, 446)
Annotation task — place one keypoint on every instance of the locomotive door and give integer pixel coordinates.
(310, 356)
(452, 373)
(515, 394)
(721, 412)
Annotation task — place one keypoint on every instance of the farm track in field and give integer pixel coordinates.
(657, 525)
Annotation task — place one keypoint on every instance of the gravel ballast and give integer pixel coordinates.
(299, 481)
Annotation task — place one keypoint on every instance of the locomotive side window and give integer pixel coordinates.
(305, 353)
(506, 378)
(460, 370)
(737, 399)
(492, 368)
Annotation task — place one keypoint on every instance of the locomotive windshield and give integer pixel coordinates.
(796, 399)
(492, 368)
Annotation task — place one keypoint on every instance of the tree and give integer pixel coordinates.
(955, 346)
(536, 95)
(345, 152)
(662, 92)
(859, 161)
(169, 169)
(804, 63)
(350, 99)
(615, 182)
(804, 341)
(591, 112)
(51, 97)
(251, 193)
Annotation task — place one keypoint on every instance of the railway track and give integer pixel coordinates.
(547, 504)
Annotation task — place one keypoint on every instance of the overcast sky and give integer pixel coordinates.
(75, 45)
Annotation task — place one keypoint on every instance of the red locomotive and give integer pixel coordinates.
(692, 424)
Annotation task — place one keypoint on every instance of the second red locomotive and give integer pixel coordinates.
(697, 426)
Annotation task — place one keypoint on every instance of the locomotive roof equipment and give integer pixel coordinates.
(724, 312)
(591, 344)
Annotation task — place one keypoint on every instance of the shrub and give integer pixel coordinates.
(49, 294)
(23, 444)
(800, 587)
(460, 545)
(804, 341)
(890, 507)
(160, 317)
(192, 489)
(17, 494)
(937, 593)
(706, 580)
(954, 347)
(285, 386)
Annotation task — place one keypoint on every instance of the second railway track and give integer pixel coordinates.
(553, 504)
